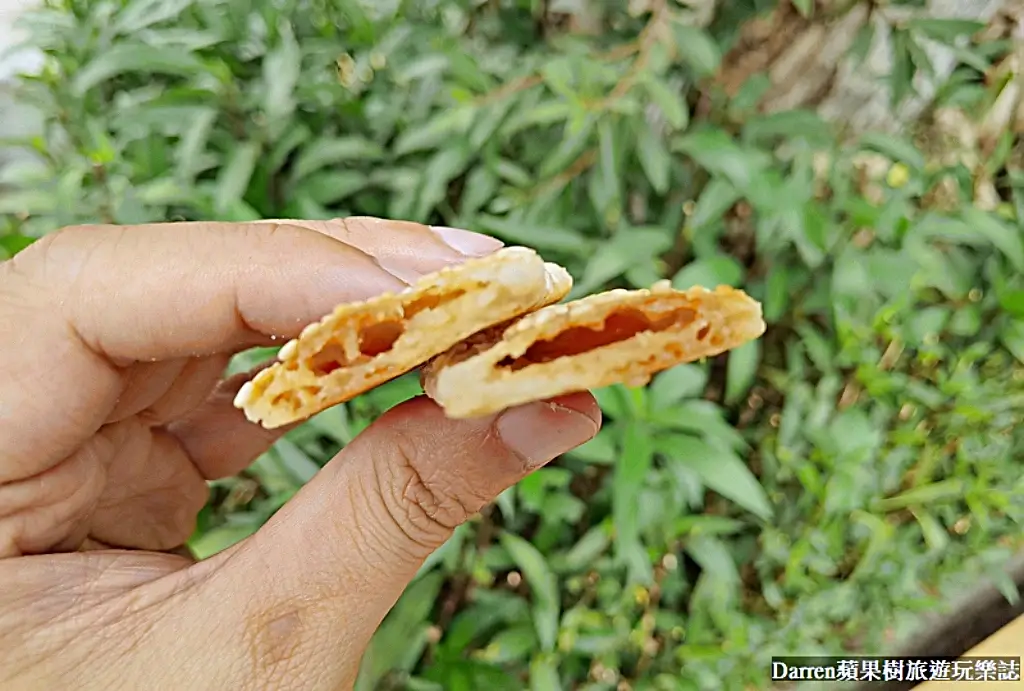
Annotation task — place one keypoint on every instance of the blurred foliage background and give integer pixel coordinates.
(807, 493)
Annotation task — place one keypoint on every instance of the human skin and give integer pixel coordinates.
(113, 415)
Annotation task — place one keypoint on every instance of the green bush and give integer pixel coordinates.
(805, 493)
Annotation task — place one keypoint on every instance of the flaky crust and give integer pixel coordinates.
(657, 329)
(362, 345)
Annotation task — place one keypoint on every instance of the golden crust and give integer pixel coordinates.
(613, 337)
(362, 345)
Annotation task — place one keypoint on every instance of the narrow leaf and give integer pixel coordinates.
(543, 584)
(697, 48)
(533, 235)
(234, 177)
(654, 158)
(1005, 237)
(896, 148)
(626, 248)
(710, 273)
(631, 472)
(440, 128)
(719, 469)
(742, 368)
(326, 152)
(544, 674)
(133, 57)
(282, 67)
(677, 384)
(945, 30)
(139, 14)
(670, 102)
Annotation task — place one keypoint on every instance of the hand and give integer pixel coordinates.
(113, 341)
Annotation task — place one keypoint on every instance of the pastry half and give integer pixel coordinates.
(619, 336)
(362, 345)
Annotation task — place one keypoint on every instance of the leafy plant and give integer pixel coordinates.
(806, 493)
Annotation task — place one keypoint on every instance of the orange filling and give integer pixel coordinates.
(619, 326)
(376, 338)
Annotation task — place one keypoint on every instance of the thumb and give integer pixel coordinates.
(336, 558)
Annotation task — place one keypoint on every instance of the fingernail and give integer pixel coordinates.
(467, 242)
(538, 432)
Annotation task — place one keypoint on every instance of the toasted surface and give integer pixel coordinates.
(614, 337)
(362, 345)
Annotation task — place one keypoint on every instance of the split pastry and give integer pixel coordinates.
(362, 345)
(619, 336)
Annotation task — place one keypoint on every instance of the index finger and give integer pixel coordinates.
(84, 302)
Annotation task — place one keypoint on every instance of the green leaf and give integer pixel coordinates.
(1005, 237)
(441, 169)
(293, 138)
(804, 7)
(653, 155)
(544, 674)
(1011, 300)
(713, 557)
(295, 461)
(282, 67)
(777, 292)
(895, 147)
(326, 152)
(400, 630)
(697, 49)
(558, 75)
(183, 38)
(934, 534)
(718, 153)
(974, 228)
(331, 186)
(742, 369)
(14, 243)
(943, 490)
(670, 102)
(1012, 336)
(139, 14)
(628, 247)
(593, 544)
(441, 128)
(677, 384)
(541, 237)
(945, 30)
(719, 469)
(193, 144)
(788, 124)
(901, 75)
(220, 538)
(631, 472)
(163, 191)
(919, 57)
(1006, 585)
(573, 144)
(131, 57)
(234, 178)
(710, 273)
(512, 645)
(717, 197)
(27, 202)
(543, 113)
(607, 173)
(708, 525)
(543, 585)
(862, 43)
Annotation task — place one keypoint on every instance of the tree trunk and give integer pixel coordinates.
(808, 64)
